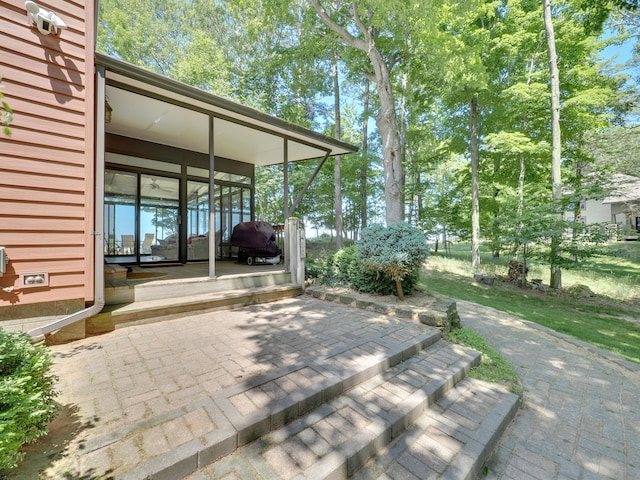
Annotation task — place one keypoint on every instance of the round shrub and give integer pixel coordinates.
(396, 252)
(26, 394)
(343, 263)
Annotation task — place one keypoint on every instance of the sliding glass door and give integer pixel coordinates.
(120, 198)
(233, 205)
(197, 221)
(141, 215)
(144, 212)
(159, 214)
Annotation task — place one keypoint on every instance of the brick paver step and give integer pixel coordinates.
(452, 440)
(336, 439)
(259, 405)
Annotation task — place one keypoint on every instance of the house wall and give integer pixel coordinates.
(596, 212)
(47, 164)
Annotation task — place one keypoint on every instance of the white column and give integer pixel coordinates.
(296, 249)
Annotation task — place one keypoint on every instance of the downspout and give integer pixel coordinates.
(97, 234)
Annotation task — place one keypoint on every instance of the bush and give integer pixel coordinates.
(344, 261)
(396, 252)
(26, 394)
(334, 269)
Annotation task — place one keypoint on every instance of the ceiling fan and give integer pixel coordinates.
(155, 186)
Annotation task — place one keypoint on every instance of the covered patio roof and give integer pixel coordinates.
(155, 108)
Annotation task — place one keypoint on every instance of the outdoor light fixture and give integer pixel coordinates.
(107, 110)
(47, 22)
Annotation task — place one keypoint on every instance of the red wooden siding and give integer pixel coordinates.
(47, 164)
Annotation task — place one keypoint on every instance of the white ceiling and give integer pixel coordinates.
(243, 134)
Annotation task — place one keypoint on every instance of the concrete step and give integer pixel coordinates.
(145, 311)
(120, 292)
(161, 308)
(341, 435)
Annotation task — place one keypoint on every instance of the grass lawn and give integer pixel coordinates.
(609, 320)
(493, 367)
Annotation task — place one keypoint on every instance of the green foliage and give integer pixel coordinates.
(375, 282)
(344, 268)
(397, 251)
(26, 394)
(493, 367)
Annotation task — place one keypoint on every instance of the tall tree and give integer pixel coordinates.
(387, 124)
(338, 135)
(556, 141)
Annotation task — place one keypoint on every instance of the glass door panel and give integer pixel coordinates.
(197, 221)
(233, 205)
(246, 205)
(236, 206)
(120, 195)
(159, 214)
(223, 220)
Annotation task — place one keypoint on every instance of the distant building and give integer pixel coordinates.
(620, 207)
(624, 202)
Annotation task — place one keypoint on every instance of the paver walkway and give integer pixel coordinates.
(146, 392)
(581, 414)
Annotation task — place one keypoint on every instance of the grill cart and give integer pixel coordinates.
(256, 243)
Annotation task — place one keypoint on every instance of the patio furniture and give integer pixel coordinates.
(149, 240)
(128, 243)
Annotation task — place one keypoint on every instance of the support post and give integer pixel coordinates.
(212, 206)
(296, 250)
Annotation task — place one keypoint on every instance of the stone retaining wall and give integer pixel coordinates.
(437, 311)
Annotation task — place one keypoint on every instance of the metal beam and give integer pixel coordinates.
(298, 199)
(212, 206)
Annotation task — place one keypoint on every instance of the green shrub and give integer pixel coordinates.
(333, 269)
(396, 252)
(314, 267)
(344, 261)
(26, 394)
(369, 281)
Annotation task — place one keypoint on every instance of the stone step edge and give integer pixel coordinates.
(442, 313)
(469, 463)
(349, 457)
(189, 457)
(115, 316)
(479, 445)
(386, 426)
(196, 300)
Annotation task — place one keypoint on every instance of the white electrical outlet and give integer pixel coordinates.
(29, 280)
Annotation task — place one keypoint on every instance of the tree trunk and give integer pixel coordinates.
(386, 121)
(399, 289)
(336, 173)
(556, 145)
(403, 140)
(365, 151)
(475, 195)
(391, 152)
(523, 167)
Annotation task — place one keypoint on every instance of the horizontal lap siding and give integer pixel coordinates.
(47, 164)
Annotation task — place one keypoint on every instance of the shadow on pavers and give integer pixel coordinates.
(40, 455)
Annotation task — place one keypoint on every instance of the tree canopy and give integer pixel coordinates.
(450, 101)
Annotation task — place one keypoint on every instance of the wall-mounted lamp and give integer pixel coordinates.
(107, 110)
(47, 22)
